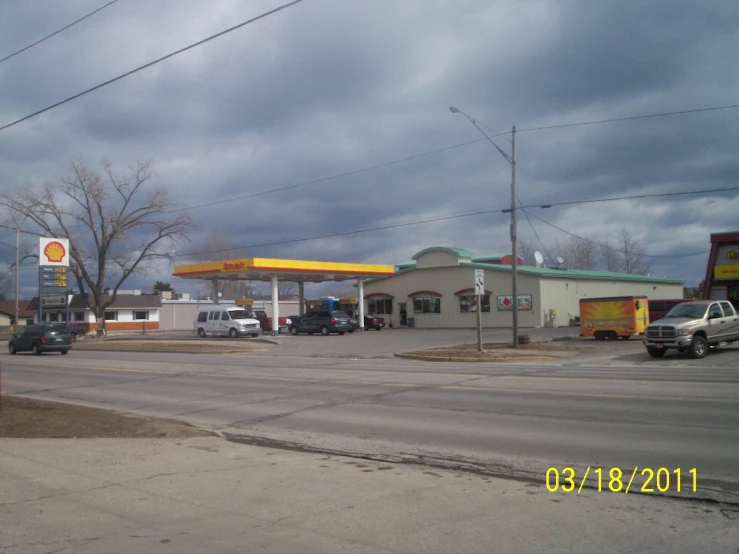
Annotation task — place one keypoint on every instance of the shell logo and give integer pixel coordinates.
(55, 252)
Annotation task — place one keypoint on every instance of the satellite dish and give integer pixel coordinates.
(560, 260)
(538, 257)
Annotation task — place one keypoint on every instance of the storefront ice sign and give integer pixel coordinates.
(726, 272)
(505, 303)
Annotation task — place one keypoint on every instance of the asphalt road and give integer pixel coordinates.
(614, 408)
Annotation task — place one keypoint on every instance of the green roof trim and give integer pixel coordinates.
(459, 252)
(410, 263)
(573, 273)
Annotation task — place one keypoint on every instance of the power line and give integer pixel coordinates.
(456, 216)
(597, 244)
(59, 31)
(124, 75)
(634, 197)
(330, 177)
(631, 118)
(341, 234)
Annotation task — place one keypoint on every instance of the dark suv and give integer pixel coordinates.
(41, 338)
(323, 322)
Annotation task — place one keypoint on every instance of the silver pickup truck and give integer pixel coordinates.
(692, 327)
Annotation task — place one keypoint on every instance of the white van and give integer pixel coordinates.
(225, 319)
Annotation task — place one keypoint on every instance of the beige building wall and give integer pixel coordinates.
(563, 295)
(447, 281)
(560, 294)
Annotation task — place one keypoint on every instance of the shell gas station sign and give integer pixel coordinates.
(54, 252)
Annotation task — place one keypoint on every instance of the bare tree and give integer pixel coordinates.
(220, 247)
(579, 254)
(525, 250)
(633, 252)
(626, 255)
(610, 255)
(6, 284)
(115, 226)
(286, 289)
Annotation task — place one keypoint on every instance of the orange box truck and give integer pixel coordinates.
(613, 317)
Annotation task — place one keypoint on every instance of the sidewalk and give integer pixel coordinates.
(208, 495)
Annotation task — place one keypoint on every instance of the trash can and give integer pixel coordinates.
(411, 322)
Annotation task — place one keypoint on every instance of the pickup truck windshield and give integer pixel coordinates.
(240, 314)
(693, 311)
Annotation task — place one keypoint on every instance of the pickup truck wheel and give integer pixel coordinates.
(654, 353)
(232, 333)
(698, 348)
(201, 333)
(293, 330)
(324, 331)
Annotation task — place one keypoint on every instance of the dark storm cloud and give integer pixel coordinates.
(329, 87)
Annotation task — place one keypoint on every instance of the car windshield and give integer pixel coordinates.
(339, 313)
(694, 311)
(240, 314)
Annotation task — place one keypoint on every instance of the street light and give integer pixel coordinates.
(514, 252)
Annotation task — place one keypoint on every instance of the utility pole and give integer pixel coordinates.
(17, 264)
(514, 249)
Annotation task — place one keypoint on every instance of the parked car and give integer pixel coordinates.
(265, 322)
(225, 319)
(692, 327)
(324, 322)
(40, 338)
(374, 322)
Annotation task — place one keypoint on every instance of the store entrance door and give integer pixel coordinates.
(403, 314)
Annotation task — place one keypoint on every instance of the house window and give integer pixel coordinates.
(380, 306)
(468, 303)
(426, 305)
(111, 315)
(141, 314)
(79, 316)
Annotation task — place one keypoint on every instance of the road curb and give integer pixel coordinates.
(424, 358)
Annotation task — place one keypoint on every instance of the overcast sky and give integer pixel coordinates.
(329, 87)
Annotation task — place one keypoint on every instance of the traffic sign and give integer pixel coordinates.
(479, 281)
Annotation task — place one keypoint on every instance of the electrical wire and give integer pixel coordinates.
(59, 31)
(597, 244)
(630, 118)
(633, 197)
(328, 178)
(124, 75)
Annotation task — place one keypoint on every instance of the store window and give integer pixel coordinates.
(380, 306)
(426, 305)
(468, 303)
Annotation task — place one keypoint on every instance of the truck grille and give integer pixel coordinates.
(661, 332)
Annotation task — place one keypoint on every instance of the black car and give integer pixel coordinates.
(323, 322)
(40, 338)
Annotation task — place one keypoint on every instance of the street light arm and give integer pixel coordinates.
(472, 120)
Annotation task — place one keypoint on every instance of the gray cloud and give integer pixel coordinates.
(329, 87)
